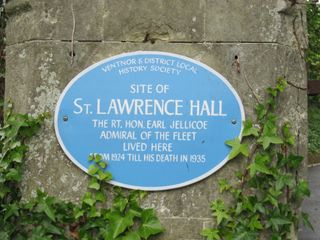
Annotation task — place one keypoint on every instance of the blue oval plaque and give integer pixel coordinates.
(159, 119)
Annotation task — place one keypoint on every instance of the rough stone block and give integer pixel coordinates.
(89, 17)
(255, 21)
(54, 20)
(170, 20)
(182, 229)
(34, 83)
(38, 19)
(105, 19)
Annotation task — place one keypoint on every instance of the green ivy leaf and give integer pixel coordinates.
(14, 145)
(224, 185)
(268, 140)
(302, 190)
(104, 176)
(211, 234)
(261, 111)
(136, 195)
(118, 223)
(276, 236)
(4, 235)
(281, 84)
(294, 161)
(93, 169)
(271, 199)
(93, 184)
(50, 228)
(97, 158)
(284, 180)
(150, 224)
(287, 135)
(131, 236)
(245, 236)
(249, 129)
(88, 199)
(102, 164)
(78, 212)
(16, 156)
(11, 210)
(219, 211)
(259, 207)
(272, 91)
(278, 221)
(13, 175)
(100, 196)
(306, 221)
(255, 223)
(38, 233)
(237, 148)
(47, 209)
(281, 160)
(239, 208)
(248, 203)
(91, 157)
(120, 203)
(271, 102)
(259, 165)
(4, 190)
(94, 212)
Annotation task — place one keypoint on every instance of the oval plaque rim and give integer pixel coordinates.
(134, 53)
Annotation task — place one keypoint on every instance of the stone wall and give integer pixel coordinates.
(250, 42)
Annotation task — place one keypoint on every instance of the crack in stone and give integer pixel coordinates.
(45, 40)
(72, 54)
(304, 36)
(300, 49)
(296, 86)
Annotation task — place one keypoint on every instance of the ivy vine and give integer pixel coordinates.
(99, 215)
(264, 202)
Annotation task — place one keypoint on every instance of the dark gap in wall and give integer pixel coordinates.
(72, 54)
(148, 38)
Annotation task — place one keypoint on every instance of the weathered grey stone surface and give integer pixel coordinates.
(312, 206)
(168, 20)
(38, 19)
(272, 21)
(246, 41)
(255, 21)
